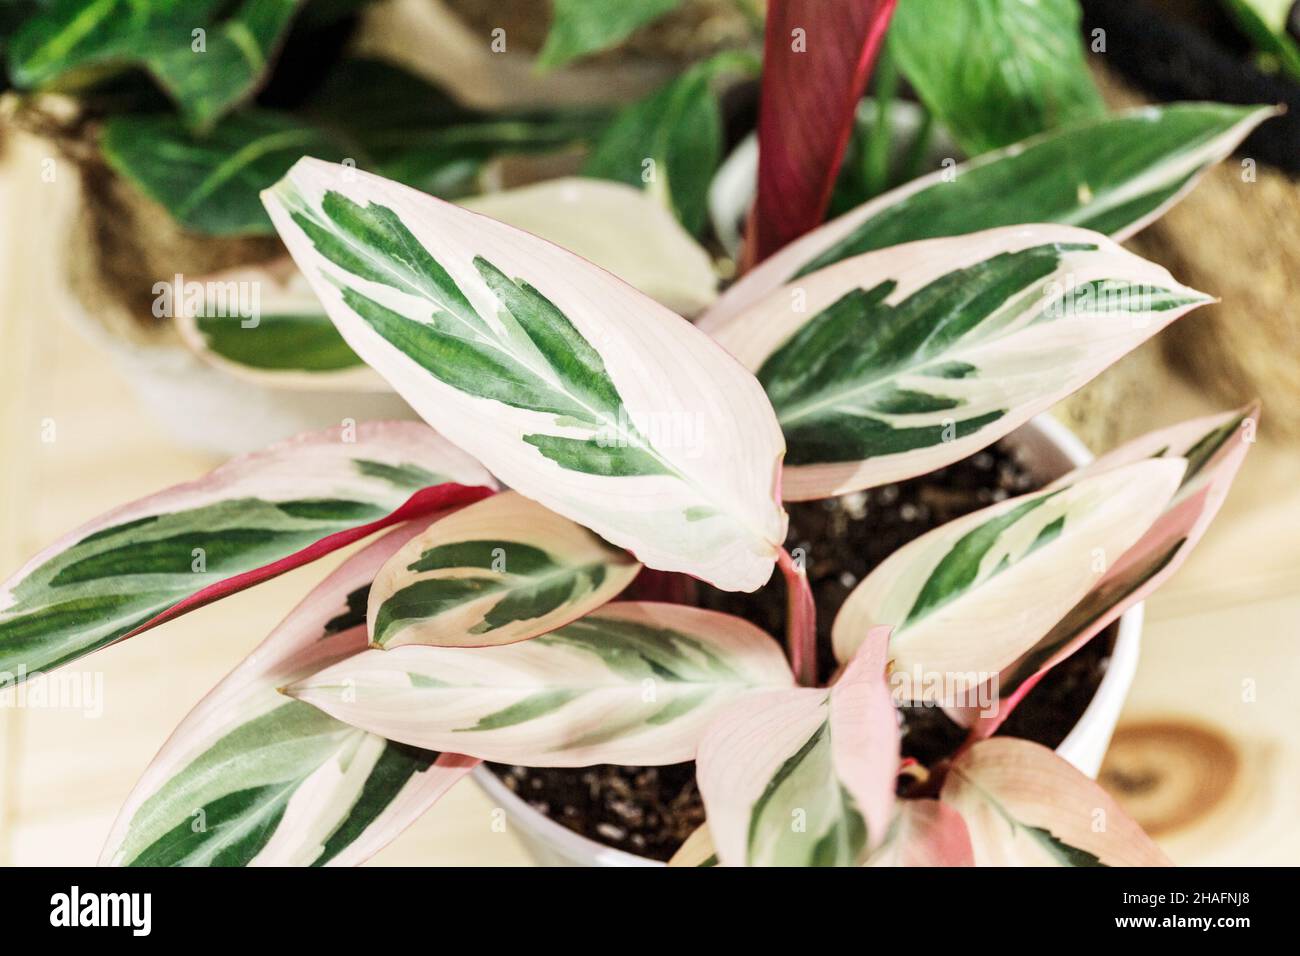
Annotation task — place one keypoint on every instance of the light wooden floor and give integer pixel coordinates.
(1208, 754)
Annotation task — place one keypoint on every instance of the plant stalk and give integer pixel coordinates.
(800, 622)
(876, 161)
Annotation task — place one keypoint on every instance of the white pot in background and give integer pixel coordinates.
(207, 409)
(1050, 450)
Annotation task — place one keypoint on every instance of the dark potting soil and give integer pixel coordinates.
(649, 811)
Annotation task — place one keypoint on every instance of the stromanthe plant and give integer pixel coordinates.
(485, 625)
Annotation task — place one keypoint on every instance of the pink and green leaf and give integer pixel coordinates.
(499, 571)
(925, 833)
(1113, 175)
(1214, 447)
(572, 387)
(897, 362)
(249, 520)
(252, 778)
(1025, 806)
(632, 683)
(971, 596)
(804, 777)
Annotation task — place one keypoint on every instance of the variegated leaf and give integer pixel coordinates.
(804, 777)
(1025, 806)
(572, 387)
(499, 571)
(901, 361)
(291, 342)
(1214, 448)
(631, 683)
(249, 520)
(925, 833)
(697, 851)
(1114, 175)
(252, 778)
(969, 597)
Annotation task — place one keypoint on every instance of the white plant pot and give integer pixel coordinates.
(206, 409)
(1050, 450)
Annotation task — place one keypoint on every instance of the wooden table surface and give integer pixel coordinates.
(1207, 754)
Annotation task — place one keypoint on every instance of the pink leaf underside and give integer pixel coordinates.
(927, 833)
(748, 742)
(297, 647)
(864, 723)
(812, 82)
(245, 469)
(1187, 519)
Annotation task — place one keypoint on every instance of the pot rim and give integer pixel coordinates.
(1079, 745)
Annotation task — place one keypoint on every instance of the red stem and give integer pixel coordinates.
(984, 727)
(801, 621)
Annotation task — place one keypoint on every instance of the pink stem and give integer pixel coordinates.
(801, 622)
(984, 727)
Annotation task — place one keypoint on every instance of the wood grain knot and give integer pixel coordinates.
(1169, 774)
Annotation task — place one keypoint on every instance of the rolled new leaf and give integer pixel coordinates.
(804, 777)
(817, 58)
(572, 387)
(249, 520)
(925, 833)
(1025, 806)
(252, 778)
(633, 683)
(895, 363)
(1113, 174)
(969, 597)
(1214, 448)
(499, 571)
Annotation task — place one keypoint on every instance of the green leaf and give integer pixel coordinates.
(995, 71)
(1274, 26)
(210, 183)
(581, 27)
(670, 143)
(281, 342)
(207, 57)
(407, 129)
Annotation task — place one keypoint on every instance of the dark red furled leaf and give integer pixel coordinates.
(812, 81)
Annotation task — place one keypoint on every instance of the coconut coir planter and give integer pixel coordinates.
(1238, 234)
(638, 816)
